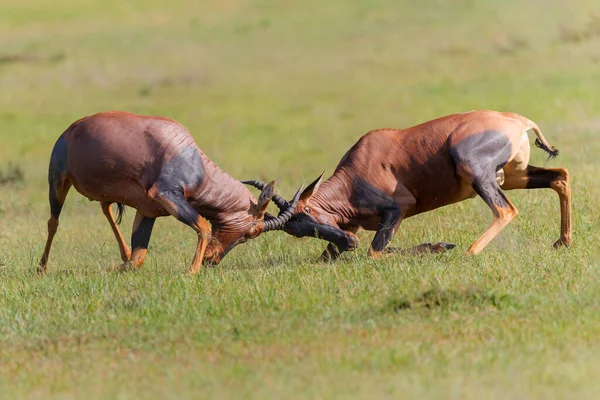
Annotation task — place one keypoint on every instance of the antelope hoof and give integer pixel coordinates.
(471, 251)
(352, 242)
(210, 263)
(194, 271)
(41, 269)
(326, 256)
(562, 242)
(374, 254)
(329, 254)
(124, 267)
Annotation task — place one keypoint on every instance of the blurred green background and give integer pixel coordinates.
(284, 88)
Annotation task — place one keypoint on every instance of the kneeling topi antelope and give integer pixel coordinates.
(391, 174)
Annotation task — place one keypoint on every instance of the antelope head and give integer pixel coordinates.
(240, 227)
(310, 218)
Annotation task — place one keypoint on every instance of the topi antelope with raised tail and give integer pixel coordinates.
(154, 165)
(390, 175)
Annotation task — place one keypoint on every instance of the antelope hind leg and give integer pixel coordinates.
(547, 178)
(123, 248)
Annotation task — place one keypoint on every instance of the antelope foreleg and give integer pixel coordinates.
(177, 206)
(333, 251)
(390, 221)
(140, 237)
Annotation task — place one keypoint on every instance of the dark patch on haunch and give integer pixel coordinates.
(482, 155)
(540, 178)
(56, 173)
(141, 236)
(184, 171)
(367, 197)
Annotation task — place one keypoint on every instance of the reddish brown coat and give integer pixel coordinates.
(154, 165)
(392, 174)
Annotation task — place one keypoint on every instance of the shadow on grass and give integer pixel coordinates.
(579, 34)
(11, 175)
(451, 299)
(30, 58)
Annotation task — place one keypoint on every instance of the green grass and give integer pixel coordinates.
(273, 88)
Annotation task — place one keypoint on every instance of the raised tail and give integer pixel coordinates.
(541, 141)
(120, 212)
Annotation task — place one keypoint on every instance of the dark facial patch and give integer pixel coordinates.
(232, 245)
(301, 225)
(141, 236)
(183, 172)
(368, 198)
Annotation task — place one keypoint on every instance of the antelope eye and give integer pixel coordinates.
(307, 210)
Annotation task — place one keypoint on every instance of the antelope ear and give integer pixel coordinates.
(263, 200)
(312, 188)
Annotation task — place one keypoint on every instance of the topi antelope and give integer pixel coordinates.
(390, 174)
(154, 165)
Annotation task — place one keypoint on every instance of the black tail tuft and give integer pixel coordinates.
(120, 212)
(552, 152)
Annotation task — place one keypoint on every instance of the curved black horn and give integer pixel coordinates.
(279, 201)
(285, 216)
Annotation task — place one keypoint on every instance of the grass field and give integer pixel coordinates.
(283, 88)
